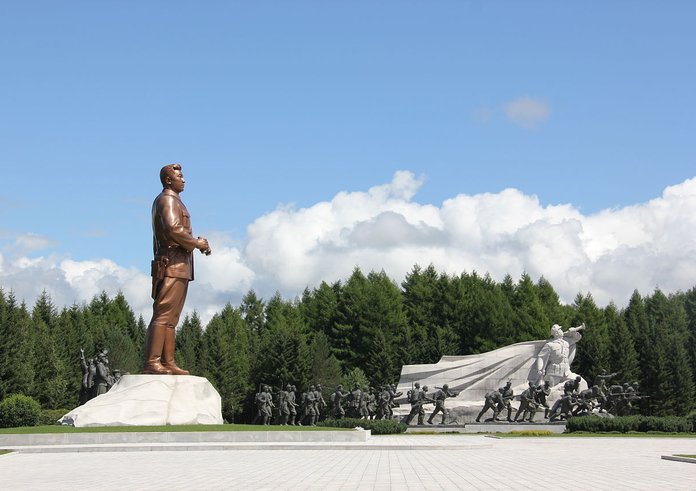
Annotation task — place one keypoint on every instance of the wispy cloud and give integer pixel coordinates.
(527, 112)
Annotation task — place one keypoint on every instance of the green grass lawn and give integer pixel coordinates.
(3, 452)
(25, 430)
(686, 456)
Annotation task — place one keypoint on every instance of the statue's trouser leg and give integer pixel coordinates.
(421, 415)
(485, 408)
(166, 309)
(169, 348)
(509, 408)
(517, 414)
(411, 415)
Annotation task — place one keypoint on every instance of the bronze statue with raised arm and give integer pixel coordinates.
(172, 269)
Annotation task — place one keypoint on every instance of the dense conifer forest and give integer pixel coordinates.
(364, 328)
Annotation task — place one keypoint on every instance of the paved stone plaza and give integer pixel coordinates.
(474, 462)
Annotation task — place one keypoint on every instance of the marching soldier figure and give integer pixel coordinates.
(440, 397)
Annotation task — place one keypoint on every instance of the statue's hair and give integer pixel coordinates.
(167, 171)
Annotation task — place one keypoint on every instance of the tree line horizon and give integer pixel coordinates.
(360, 330)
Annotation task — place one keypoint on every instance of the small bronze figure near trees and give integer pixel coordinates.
(319, 402)
(283, 406)
(542, 393)
(264, 406)
(89, 371)
(97, 377)
(414, 397)
(338, 396)
(494, 401)
(528, 404)
(440, 396)
(292, 405)
(508, 394)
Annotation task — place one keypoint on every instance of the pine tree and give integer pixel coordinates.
(325, 369)
(50, 376)
(283, 355)
(225, 359)
(622, 353)
(551, 304)
(690, 309)
(380, 363)
(430, 340)
(188, 344)
(593, 351)
(16, 351)
(530, 317)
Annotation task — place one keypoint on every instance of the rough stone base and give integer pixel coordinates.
(151, 400)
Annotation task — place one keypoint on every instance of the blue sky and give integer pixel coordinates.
(272, 104)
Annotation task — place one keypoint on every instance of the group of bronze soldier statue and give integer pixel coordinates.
(617, 400)
(284, 407)
(97, 376)
(418, 397)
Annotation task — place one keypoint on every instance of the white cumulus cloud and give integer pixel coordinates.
(608, 254)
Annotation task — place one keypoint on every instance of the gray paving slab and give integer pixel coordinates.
(145, 437)
(509, 463)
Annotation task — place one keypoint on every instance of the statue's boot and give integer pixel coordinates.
(546, 413)
(168, 358)
(153, 351)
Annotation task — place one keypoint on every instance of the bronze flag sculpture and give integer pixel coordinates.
(172, 269)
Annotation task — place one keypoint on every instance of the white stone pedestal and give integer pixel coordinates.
(151, 400)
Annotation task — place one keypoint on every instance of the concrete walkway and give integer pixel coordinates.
(479, 463)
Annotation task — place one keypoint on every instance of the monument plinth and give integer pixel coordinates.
(151, 400)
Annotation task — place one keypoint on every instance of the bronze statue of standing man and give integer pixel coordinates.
(172, 269)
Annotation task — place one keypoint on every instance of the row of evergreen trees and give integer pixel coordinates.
(363, 329)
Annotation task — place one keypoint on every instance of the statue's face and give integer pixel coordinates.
(176, 181)
(556, 332)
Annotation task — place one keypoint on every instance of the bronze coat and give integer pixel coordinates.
(172, 235)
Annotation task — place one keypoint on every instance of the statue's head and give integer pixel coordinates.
(339, 387)
(445, 387)
(172, 178)
(425, 388)
(556, 331)
(417, 385)
(578, 379)
(288, 387)
(311, 387)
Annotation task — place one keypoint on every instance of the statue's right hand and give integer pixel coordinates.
(203, 246)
